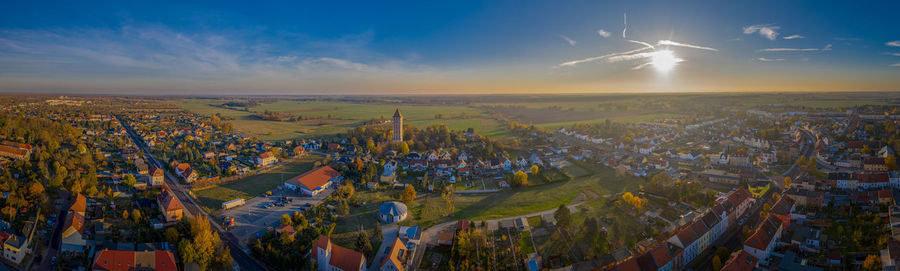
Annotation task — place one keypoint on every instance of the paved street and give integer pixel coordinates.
(239, 252)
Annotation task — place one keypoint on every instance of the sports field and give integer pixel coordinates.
(253, 186)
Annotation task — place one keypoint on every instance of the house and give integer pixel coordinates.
(330, 257)
(313, 182)
(285, 228)
(396, 257)
(783, 209)
(16, 247)
(762, 241)
(720, 176)
(169, 206)
(157, 177)
(874, 164)
(17, 151)
(265, 159)
(73, 234)
(120, 260)
(80, 204)
(299, 151)
(410, 236)
(740, 261)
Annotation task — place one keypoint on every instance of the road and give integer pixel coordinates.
(238, 251)
(55, 238)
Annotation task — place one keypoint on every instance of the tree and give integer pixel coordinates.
(172, 235)
(716, 263)
(204, 247)
(125, 214)
(563, 216)
(787, 181)
(129, 180)
(872, 263)
(35, 189)
(404, 148)
(136, 215)
(409, 194)
(520, 179)
(362, 242)
(342, 207)
(377, 232)
(286, 220)
(534, 169)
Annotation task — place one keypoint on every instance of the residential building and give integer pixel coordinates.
(169, 206)
(396, 258)
(119, 260)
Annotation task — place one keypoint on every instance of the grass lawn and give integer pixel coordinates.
(521, 201)
(250, 187)
(525, 243)
(338, 117)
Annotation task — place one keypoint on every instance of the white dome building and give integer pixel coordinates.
(392, 212)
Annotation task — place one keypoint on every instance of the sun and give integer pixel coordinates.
(664, 60)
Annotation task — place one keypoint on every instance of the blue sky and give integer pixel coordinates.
(418, 47)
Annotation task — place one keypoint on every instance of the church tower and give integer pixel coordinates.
(398, 126)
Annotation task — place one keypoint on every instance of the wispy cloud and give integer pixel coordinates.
(893, 54)
(603, 33)
(625, 22)
(569, 40)
(592, 59)
(793, 37)
(895, 65)
(768, 31)
(673, 43)
(895, 43)
(826, 48)
(642, 43)
(769, 59)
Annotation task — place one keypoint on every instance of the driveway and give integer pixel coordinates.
(389, 233)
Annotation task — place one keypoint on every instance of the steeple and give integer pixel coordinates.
(397, 113)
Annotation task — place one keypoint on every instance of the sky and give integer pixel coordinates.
(447, 47)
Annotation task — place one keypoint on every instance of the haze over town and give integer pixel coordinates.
(463, 135)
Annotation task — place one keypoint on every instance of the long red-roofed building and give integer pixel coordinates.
(313, 182)
(118, 260)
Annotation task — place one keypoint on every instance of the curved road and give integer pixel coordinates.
(238, 253)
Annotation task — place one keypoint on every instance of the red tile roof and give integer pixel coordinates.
(341, 257)
(167, 199)
(741, 261)
(315, 178)
(80, 204)
(117, 260)
(628, 265)
(784, 206)
(763, 235)
(13, 150)
(267, 154)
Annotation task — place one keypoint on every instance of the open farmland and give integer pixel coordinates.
(330, 118)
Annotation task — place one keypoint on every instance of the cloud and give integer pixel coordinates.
(826, 48)
(642, 43)
(793, 37)
(895, 43)
(570, 41)
(592, 59)
(769, 59)
(895, 65)
(603, 33)
(768, 31)
(673, 43)
(625, 21)
(893, 54)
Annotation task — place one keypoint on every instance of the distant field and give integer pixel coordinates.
(253, 186)
(343, 116)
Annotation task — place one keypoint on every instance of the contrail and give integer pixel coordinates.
(673, 43)
(643, 43)
(591, 59)
(625, 17)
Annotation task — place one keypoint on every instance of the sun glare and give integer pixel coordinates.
(664, 60)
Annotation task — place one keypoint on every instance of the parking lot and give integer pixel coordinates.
(253, 217)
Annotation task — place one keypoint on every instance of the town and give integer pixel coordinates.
(133, 183)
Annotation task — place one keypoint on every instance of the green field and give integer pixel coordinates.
(600, 181)
(343, 116)
(253, 186)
